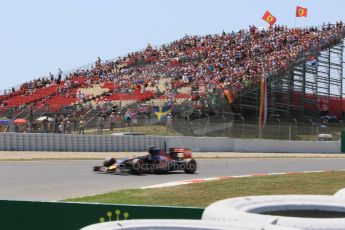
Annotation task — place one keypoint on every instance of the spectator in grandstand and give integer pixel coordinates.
(74, 122)
(45, 124)
(112, 120)
(61, 128)
(60, 72)
(51, 76)
(128, 118)
(64, 124)
(68, 127)
(119, 120)
(169, 120)
(100, 123)
(56, 123)
(134, 117)
(98, 62)
(82, 124)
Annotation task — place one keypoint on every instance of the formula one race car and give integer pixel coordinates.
(157, 161)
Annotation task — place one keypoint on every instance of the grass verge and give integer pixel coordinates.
(203, 194)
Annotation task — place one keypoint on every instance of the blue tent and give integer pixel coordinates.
(5, 122)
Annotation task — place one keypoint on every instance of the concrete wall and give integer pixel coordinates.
(90, 143)
(220, 144)
(77, 143)
(277, 146)
(202, 144)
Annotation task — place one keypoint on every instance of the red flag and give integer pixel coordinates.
(230, 95)
(301, 11)
(269, 18)
(263, 102)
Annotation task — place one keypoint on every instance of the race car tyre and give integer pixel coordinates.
(109, 162)
(190, 166)
(97, 168)
(137, 167)
(161, 168)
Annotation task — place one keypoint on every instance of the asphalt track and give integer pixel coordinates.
(56, 180)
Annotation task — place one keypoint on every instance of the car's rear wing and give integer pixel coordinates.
(187, 153)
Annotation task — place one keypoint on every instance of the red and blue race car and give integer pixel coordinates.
(156, 161)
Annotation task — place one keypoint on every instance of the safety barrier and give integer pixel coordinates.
(68, 216)
(77, 143)
(108, 143)
(223, 144)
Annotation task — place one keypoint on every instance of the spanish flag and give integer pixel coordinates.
(269, 18)
(263, 102)
(301, 11)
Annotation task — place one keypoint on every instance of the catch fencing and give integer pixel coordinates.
(224, 128)
(110, 143)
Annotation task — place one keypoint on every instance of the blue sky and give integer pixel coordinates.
(38, 37)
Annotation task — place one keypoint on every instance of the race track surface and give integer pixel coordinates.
(56, 180)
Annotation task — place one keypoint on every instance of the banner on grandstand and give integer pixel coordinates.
(301, 11)
(269, 18)
(263, 102)
(230, 95)
(162, 111)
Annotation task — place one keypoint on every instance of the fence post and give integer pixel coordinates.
(343, 141)
(290, 133)
(206, 124)
(296, 126)
(342, 123)
(312, 126)
(131, 125)
(278, 128)
(242, 118)
(230, 130)
(12, 125)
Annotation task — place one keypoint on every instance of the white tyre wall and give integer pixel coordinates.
(246, 209)
(182, 224)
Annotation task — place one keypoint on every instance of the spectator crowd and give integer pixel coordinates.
(208, 63)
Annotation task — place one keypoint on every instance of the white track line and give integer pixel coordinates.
(193, 181)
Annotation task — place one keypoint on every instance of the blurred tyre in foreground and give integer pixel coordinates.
(182, 224)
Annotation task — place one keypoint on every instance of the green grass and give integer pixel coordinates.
(305, 138)
(203, 194)
(336, 136)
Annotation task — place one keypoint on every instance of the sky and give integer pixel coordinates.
(39, 36)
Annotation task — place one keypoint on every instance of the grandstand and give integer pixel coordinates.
(303, 68)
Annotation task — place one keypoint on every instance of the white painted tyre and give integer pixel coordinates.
(249, 209)
(181, 224)
(340, 194)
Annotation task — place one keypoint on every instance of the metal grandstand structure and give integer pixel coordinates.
(305, 91)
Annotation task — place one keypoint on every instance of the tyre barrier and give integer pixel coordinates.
(273, 212)
(340, 194)
(182, 224)
(309, 212)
